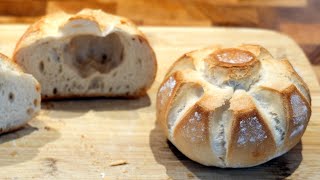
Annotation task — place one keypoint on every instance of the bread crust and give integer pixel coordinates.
(251, 152)
(55, 24)
(12, 64)
(138, 94)
(251, 110)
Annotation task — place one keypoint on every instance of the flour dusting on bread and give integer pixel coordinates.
(248, 107)
(251, 131)
(300, 114)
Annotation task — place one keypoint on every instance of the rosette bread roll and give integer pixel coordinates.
(233, 107)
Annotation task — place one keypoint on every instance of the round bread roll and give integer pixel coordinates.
(19, 96)
(88, 54)
(233, 107)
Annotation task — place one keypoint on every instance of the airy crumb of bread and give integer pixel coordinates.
(19, 96)
(88, 54)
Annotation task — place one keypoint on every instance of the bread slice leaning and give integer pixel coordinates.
(88, 54)
(19, 96)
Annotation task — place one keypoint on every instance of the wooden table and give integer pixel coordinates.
(79, 139)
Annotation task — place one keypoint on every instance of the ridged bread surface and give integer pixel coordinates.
(233, 107)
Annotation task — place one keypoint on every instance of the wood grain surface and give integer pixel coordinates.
(120, 139)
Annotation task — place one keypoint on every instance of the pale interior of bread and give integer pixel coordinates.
(218, 131)
(270, 105)
(114, 64)
(297, 83)
(18, 96)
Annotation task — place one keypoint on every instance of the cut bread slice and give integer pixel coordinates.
(87, 54)
(19, 96)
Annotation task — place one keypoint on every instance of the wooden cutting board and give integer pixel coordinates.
(78, 139)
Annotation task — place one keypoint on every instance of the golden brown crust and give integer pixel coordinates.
(186, 60)
(251, 112)
(38, 87)
(38, 29)
(234, 63)
(11, 63)
(34, 28)
(193, 132)
(253, 153)
(292, 138)
(254, 49)
(231, 58)
(87, 17)
(295, 74)
(250, 138)
(82, 17)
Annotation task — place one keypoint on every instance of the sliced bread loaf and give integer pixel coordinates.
(19, 96)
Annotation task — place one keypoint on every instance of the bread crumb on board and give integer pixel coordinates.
(47, 128)
(190, 175)
(13, 153)
(118, 163)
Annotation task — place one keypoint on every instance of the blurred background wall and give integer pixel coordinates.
(299, 19)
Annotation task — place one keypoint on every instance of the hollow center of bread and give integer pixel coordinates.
(89, 53)
(233, 56)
